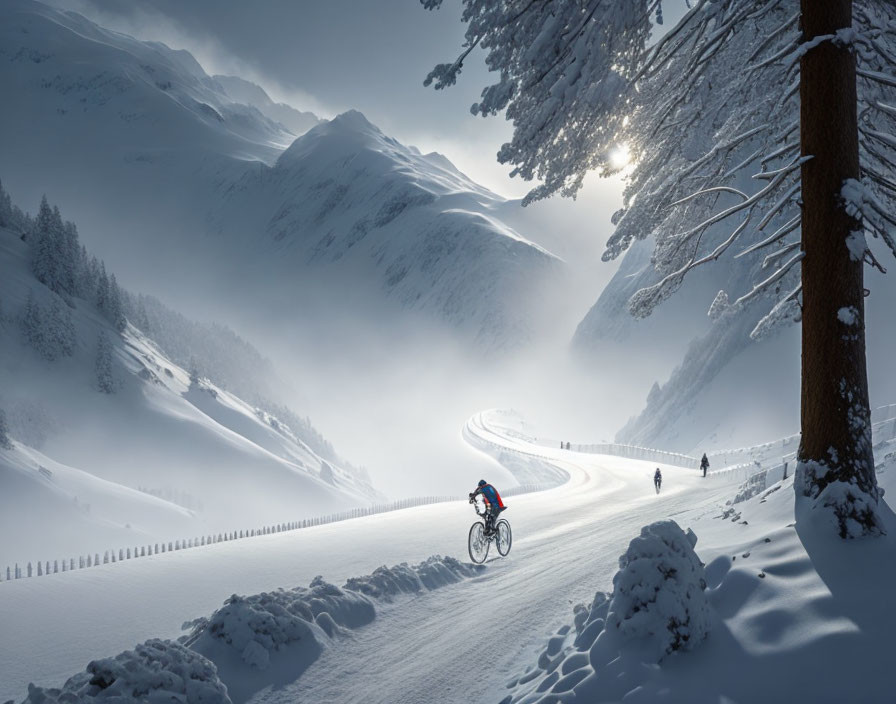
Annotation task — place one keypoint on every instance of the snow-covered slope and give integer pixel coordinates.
(774, 601)
(732, 391)
(345, 198)
(219, 462)
(188, 193)
(248, 93)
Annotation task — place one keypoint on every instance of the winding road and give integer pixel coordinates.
(460, 643)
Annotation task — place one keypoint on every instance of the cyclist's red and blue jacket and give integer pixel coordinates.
(491, 496)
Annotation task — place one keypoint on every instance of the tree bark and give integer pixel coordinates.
(835, 412)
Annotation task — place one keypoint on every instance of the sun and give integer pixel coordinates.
(619, 157)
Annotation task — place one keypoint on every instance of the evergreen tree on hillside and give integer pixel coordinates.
(5, 442)
(32, 323)
(51, 333)
(114, 311)
(72, 261)
(44, 245)
(12, 217)
(60, 329)
(5, 208)
(102, 288)
(105, 380)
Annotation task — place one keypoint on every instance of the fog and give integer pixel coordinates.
(389, 385)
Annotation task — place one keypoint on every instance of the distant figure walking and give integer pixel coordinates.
(704, 464)
(657, 479)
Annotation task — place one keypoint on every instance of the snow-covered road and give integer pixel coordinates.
(455, 645)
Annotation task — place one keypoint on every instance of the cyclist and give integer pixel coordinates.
(493, 503)
(657, 479)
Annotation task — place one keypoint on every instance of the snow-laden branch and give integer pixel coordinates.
(777, 235)
(774, 278)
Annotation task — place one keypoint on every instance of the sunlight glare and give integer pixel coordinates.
(619, 157)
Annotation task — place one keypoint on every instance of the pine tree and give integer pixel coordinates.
(60, 331)
(42, 245)
(5, 441)
(5, 208)
(105, 380)
(33, 324)
(71, 258)
(102, 289)
(115, 307)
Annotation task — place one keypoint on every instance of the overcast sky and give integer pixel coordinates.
(332, 55)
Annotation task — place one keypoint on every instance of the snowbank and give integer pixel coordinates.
(251, 642)
(658, 606)
(156, 671)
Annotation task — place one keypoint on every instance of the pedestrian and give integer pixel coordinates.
(704, 464)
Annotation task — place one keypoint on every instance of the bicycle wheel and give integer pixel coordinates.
(504, 537)
(478, 543)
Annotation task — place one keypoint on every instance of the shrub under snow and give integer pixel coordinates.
(156, 671)
(658, 606)
(658, 591)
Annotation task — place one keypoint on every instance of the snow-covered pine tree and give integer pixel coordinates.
(85, 286)
(32, 323)
(745, 111)
(105, 380)
(5, 441)
(42, 241)
(5, 208)
(71, 263)
(60, 329)
(115, 307)
(102, 289)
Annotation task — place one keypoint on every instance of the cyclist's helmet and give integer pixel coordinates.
(482, 482)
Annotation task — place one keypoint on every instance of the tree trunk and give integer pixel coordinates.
(835, 413)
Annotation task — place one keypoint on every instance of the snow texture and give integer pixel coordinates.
(301, 621)
(155, 672)
(257, 626)
(658, 606)
(848, 315)
(845, 508)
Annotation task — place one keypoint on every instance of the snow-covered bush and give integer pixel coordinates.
(156, 671)
(658, 591)
(658, 606)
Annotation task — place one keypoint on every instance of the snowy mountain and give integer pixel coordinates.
(248, 93)
(111, 441)
(345, 198)
(187, 191)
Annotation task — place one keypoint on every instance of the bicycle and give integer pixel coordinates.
(482, 534)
